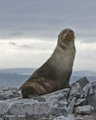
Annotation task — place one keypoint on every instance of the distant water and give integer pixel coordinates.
(16, 77)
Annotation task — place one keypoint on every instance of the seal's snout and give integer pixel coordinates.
(68, 35)
(72, 33)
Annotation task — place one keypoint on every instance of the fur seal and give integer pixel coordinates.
(55, 73)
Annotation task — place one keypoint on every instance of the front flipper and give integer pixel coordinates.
(66, 85)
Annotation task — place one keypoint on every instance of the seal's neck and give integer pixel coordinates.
(64, 44)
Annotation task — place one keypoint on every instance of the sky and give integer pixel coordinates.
(29, 31)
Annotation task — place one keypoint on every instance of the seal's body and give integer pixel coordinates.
(55, 73)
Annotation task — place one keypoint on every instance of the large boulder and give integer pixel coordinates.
(50, 105)
(89, 93)
(82, 82)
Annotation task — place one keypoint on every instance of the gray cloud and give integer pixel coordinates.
(16, 34)
(25, 46)
(20, 46)
(45, 19)
(12, 43)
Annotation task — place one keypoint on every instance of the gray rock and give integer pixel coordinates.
(11, 117)
(44, 118)
(24, 107)
(80, 102)
(59, 102)
(86, 109)
(89, 117)
(4, 88)
(75, 92)
(53, 104)
(58, 112)
(85, 117)
(70, 108)
(60, 95)
(69, 117)
(82, 82)
(58, 105)
(89, 93)
(8, 93)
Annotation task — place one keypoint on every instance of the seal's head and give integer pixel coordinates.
(66, 36)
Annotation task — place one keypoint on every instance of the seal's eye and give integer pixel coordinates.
(64, 32)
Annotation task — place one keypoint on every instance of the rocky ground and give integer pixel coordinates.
(77, 103)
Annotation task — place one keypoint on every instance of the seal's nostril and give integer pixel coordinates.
(70, 31)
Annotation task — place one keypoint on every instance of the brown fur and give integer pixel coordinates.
(55, 73)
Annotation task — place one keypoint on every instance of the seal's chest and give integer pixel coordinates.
(64, 59)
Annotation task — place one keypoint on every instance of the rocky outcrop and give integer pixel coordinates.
(8, 93)
(89, 93)
(77, 103)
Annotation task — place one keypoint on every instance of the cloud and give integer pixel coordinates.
(30, 29)
(85, 56)
(16, 34)
(45, 19)
(17, 55)
(33, 53)
(12, 43)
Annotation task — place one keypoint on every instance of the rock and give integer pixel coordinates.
(74, 92)
(50, 105)
(70, 108)
(58, 111)
(59, 102)
(57, 105)
(24, 107)
(60, 95)
(89, 117)
(80, 102)
(86, 109)
(69, 117)
(82, 82)
(79, 117)
(89, 93)
(4, 88)
(44, 118)
(8, 93)
(85, 117)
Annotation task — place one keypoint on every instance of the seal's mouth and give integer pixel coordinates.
(71, 35)
(67, 34)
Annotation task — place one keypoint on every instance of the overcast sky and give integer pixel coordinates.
(29, 31)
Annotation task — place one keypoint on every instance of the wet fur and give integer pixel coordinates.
(54, 74)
